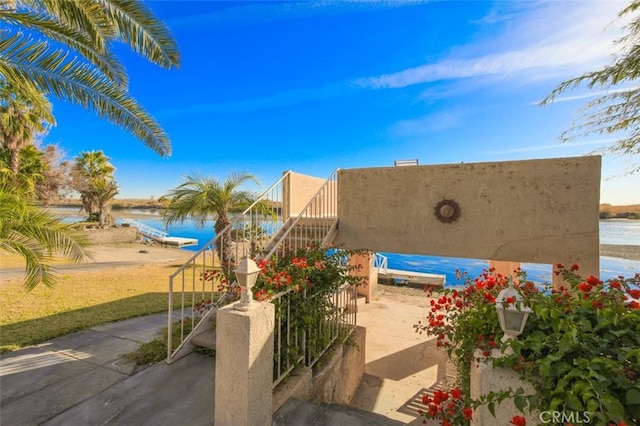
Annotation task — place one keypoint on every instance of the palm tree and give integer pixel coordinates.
(24, 113)
(90, 168)
(106, 189)
(31, 171)
(35, 235)
(65, 49)
(204, 198)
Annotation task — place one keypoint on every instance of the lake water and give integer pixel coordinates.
(611, 232)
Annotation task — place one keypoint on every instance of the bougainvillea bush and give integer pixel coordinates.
(580, 348)
(316, 318)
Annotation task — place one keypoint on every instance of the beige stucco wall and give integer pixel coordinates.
(539, 211)
(298, 191)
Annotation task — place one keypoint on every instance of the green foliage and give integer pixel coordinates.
(616, 112)
(35, 235)
(580, 348)
(66, 49)
(302, 285)
(156, 350)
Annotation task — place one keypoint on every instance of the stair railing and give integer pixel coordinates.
(381, 263)
(144, 229)
(317, 223)
(205, 281)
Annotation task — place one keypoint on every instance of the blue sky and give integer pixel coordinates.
(313, 86)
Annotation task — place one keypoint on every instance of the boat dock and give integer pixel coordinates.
(412, 277)
(396, 276)
(157, 235)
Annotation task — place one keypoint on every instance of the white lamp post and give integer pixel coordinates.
(246, 275)
(512, 314)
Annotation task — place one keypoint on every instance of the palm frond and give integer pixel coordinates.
(76, 40)
(136, 25)
(52, 72)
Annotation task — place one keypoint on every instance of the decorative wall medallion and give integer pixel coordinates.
(447, 211)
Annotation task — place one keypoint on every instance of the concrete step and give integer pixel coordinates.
(206, 339)
(295, 412)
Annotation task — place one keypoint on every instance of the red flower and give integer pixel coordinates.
(585, 287)
(559, 266)
(634, 293)
(426, 399)
(518, 421)
(467, 412)
(575, 267)
(510, 299)
(615, 284)
(593, 280)
(634, 305)
(445, 422)
(456, 393)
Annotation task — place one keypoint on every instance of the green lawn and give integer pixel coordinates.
(80, 301)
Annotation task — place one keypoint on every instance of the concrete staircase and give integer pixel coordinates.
(207, 337)
(300, 232)
(295, 412)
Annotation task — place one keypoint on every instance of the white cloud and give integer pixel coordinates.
(538, 148)
(543, 38)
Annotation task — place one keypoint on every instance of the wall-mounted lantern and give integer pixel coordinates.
(512, 312)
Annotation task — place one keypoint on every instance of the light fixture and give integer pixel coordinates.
(512, 313)
(246, 275)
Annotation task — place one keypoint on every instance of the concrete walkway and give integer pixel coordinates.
(82, 379)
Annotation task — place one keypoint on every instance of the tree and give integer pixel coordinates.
(66, 49)
(105, 190)
(32, 165)
(35, 235)
(91, 172)
(204, 198)
(56, 175)
(618, 111)
(24, 114)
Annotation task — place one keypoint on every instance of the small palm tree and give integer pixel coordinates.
(35, 235)
(204, 198)
(89, 170)
(106, 189)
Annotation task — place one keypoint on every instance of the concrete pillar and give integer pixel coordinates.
(364, 262)
(505, 268)
(484, 379)
(244, 365)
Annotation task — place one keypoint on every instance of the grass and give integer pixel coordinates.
(607, 211)
(80, 301)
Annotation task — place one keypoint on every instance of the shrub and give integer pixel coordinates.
(580, 348)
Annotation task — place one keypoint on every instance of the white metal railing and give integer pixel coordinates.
(144, 229)
(197, 287)
(381, 263)
(299, 343)
(316, 224)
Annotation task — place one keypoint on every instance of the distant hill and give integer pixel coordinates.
(607, 211)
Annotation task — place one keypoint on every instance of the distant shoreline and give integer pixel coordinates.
(628, 252)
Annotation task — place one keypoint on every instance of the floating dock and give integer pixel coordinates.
(157, 235)
(412, 277)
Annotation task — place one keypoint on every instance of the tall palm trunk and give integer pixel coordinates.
(13, 146)
(224, 246)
